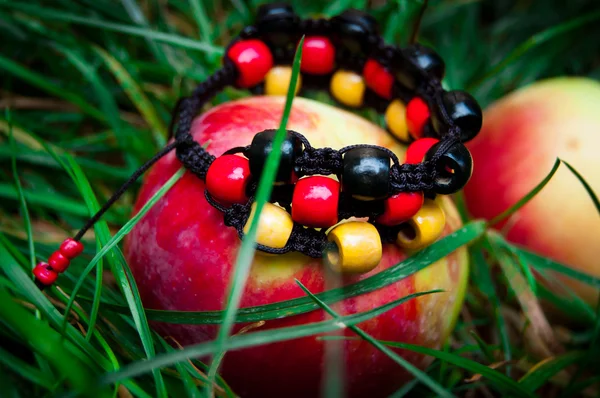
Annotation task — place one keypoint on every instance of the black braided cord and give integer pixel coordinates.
(324, 161)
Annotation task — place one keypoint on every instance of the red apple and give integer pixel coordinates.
(523, 134)
(182, 257)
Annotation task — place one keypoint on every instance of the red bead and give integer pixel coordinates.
(58, 262)
(378, 79)
(315, 202)
(227, 177)
(318, 56)
(400, 208)
(417, 115)
(45, 275)
(417, 150)
(70, 248)
(253, 60)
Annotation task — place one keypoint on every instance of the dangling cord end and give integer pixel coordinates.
(46, 273)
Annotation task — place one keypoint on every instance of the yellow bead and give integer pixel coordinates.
(274, 227)
(423, 228)
(357, 248)
(395, 118)
(348, 88)
(278, 80)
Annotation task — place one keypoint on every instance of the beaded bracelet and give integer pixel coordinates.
(337, 204)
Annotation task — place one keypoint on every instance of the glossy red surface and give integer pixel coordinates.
(182, 257)
(318, 56)
(315, 201)
(401, 207)
(378, 78)
(253, 60)
(227, 178)
(71, 248)
(58, 262)
(417, 115)
(44, 275)
(417, 149)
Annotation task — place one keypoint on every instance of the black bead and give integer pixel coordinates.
(261, 146)
(278, 23)
(366, 173)
(416, 64)
(463, 110)
(352, 30)
(427, 60)
(406, 73)
(454, 168)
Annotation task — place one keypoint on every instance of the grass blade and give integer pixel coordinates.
(114, 241)
(135, 13)
(202, 21)
(8, 386)
(577, 389)
(21, 196)
(543, 263)
(524, 266)
(543, 371)
(33, 294)
(417, 373)
(572, 305)
(47, 13)
(114, 362)
(24, 369)
(26, 219)
(405, 389)
(526, 297)
(536, 40)
(587, 186)
(591, 353)
(483, 347)
(108, 104)
(249, 340)
(483, 279)
(190, 388)
(525, 199)
(43, 83)
(443, 247)
(336, 7)
(501, 381)
(100, 170)
(136, 95)
(123, 275)
(21, 136)
(53, 201)
(47, 342)
(248, 247)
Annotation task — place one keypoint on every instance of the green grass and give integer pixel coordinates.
(245, 255)
(87, 91)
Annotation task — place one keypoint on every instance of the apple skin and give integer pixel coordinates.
(523, 134)
(182, 257)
